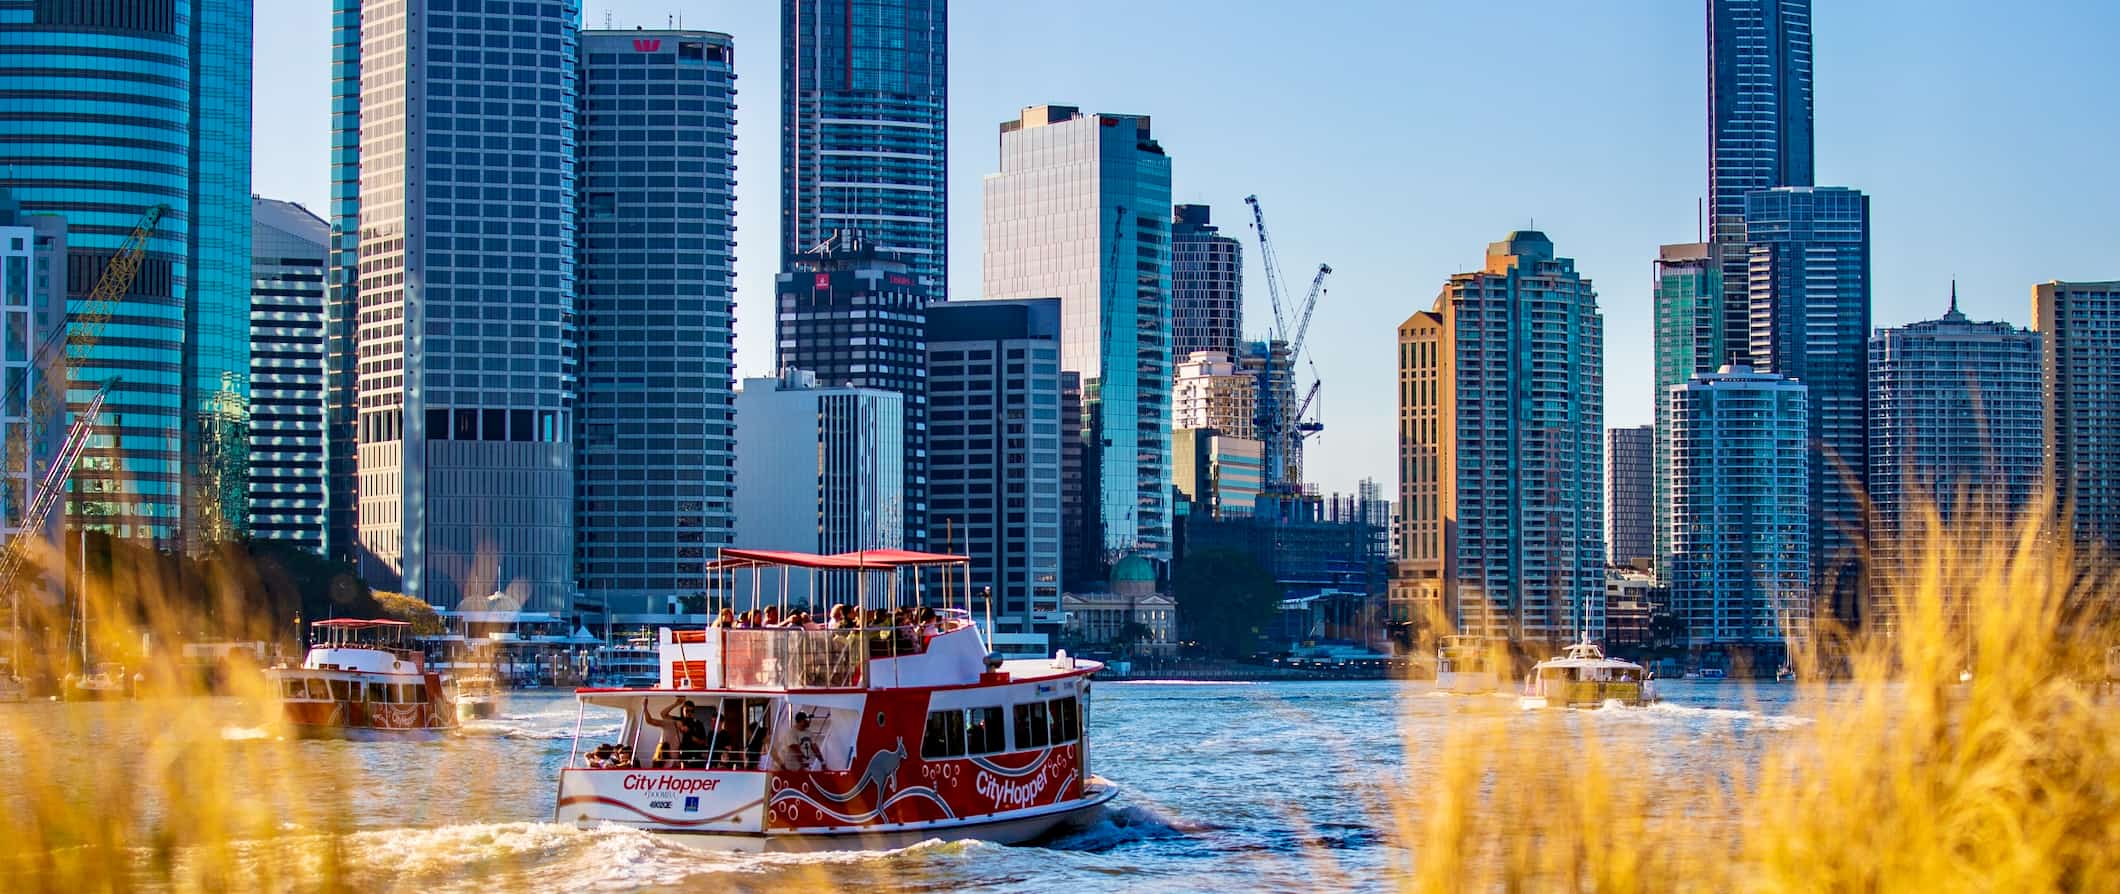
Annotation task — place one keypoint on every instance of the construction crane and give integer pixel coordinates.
(1285, 428)
(75, 337)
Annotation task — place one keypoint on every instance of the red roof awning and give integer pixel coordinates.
(894, 558)
(360, 623)
(874, 559)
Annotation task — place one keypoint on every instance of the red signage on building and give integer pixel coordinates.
(647, 44)
(824, 280)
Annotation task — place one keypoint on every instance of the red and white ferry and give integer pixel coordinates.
(872, 736)
(360, 678)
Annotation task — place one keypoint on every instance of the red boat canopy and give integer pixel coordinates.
(874, 559)
(360, 623)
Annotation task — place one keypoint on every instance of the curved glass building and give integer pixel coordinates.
(108, 109)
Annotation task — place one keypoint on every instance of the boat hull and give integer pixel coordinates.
(1013, 827)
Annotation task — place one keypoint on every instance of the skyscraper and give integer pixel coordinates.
(1220, 475)
(855, 315)
(1501, 442)
(1206, 285)
(864, 128)
(465, 294)
(1759, 128)
(994, 458)
(1211, 393)
(2080, 322)
(656, 446)
(1687, 303)
(1272, 369)
(819, 466)
(108, 109)
(1739, 572)
(1956, 418)
(1628, 494)
(1809, 285)
(1078, 211)
(288, 245)
(33, 277)
(342, 276)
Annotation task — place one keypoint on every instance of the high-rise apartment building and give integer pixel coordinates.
(1629, 472)
(33, 283)
(1218, 474)
(288, 245)
(1211, 393)
(819, 465)
(465, 293)
(108, 109)
(864, 128)
(994, 458)
(855, 315)
(1687, 303)
(1079, 210)
(1206, 285)
(2080, 322)
(1501, 443)
(1739, 573)
(1809, 287)
(1956, 422)
(655, 441)
(1759, 130)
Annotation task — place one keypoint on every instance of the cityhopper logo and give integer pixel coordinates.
(646, 44)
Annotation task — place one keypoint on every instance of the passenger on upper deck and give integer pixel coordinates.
(928, 627)
(772, 617)
(842, 617)
(726, 619)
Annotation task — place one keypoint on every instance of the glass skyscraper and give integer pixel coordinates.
(106, 110)
(1809, 289)
(465, 301)
(1759, 127)
(1206, 285)
(341, 290)
(864, 127)
(656, 451)
(1081, 211)
(1956, 418)
(287, 469)
(1687, 302)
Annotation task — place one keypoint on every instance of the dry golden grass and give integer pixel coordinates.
(1908, 780)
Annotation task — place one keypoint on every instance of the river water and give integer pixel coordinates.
(1226, 787)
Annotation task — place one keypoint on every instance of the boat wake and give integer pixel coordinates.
(506, 728)
(1125, 824)
(1724, 715)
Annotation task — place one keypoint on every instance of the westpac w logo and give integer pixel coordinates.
(647, 44)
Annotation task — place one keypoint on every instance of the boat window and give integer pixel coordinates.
(418, 691)
(375, 693)
(1032, 729)
(1066, 719)
(319, 691)
(400, 693)
(945, 735)
(983, 731)
(341, 690)
(295, 688)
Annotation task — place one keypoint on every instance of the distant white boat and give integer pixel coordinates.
(1464, 665)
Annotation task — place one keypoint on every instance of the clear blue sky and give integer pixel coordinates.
(1396, 139)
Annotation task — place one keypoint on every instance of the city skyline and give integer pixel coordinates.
(1890, 119)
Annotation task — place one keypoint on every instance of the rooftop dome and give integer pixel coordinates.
(1133, 568)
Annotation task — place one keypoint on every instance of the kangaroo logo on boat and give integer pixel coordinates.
(882, 772)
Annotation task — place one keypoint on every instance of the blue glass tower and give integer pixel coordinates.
(341, 279)
(107, 109)
(864, 128)
(1759, 128)
(655, 447)
(1809, 285)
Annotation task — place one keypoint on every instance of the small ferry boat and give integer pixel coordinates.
(869, 734)
(477, 697)
(107, 683)
(635, 665)
(12, 689)
(1465, 665)
(361, 679)
(1584, 677)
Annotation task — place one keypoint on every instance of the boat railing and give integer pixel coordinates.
(789, 658)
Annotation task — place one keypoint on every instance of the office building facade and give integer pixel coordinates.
(33, 287)
(1206, 285)
(1809, 286)
(820, 466)
(1739, 573)
(864, 128)
(855, 314)
(2080, 325)
(1501, 449)
(342, 276)
(655, 440)
(288, 246)
(1209, 392)
(465, 293)
(1629, 471)
(1687, 304)
(107, 110)
(1218, 474)
(1078, 211)
(994, 458)
(1956, 423)
(1759, 131)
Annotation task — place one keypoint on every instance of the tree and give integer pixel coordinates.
(425, 621)
(1225, 600)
